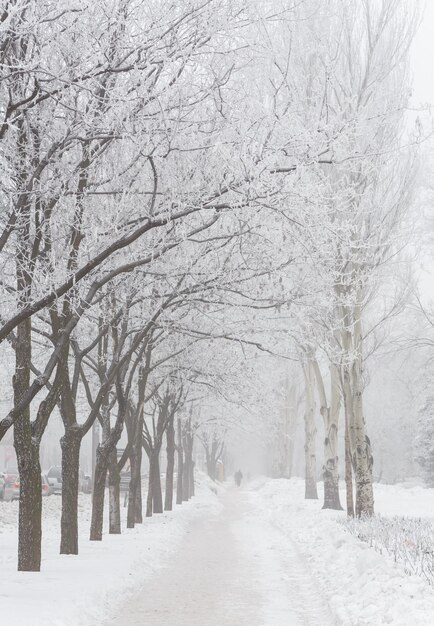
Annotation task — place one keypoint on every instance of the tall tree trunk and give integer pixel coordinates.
(188, 473)
(30, 509)
(154, 502)
(26, 447)
(211, 461)
(96, 525)
(361, 455)
(104, 452)
(213, 452)
(180, 468)
(114, 495)
(149, 498)
(157, 496)
(137, 512)
(191, 479)
(30, 506)
(134, 514)
(348, 470)
(330, 415)
(330, 470)
(138, 499)
(132, 488)
(185, 478)
(190, 443)
(311, 492)
(170, 438)
(70, 444)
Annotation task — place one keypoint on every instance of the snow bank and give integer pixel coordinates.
(362, 587)
(407, 541)
(83, 590)
(404, 499)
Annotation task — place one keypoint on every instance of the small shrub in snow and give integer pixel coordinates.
(408, 541)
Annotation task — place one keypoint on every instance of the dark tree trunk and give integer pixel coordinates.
(103, 459)
(188, 474)
(30, 507)
(114, 495)
(211, 466)
(154, 502)
(191, 478)
(213, 452)
(185, 479)
(26, 447)
(132, 488)
(180, 472)
(135, 434)
(157, 495)
(30, 512)
(135, 515)
(149, 496)
(170, 438)
(96, 524)
(138, 498)
(70, 444)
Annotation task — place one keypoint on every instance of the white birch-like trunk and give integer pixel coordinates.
(330, 414)
(361, 455)
(311, 492)
(348, 463)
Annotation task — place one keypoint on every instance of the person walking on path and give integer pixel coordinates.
(238, 478)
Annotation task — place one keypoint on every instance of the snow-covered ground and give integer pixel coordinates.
(361, 586)
(404, 499)
(261, 556)
(82, 591)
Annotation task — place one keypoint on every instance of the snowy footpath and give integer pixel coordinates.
(255, 556)
(230, 570)
(272, 559)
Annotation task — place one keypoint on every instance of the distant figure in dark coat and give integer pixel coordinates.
(238, 477)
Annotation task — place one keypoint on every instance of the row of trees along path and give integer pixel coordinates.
(155, 209)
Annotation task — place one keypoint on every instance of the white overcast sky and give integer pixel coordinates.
(423, 94)
(423, 56)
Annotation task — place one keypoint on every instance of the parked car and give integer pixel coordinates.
(12, 485)
(54, 476)
(2, 486)
(47, 489)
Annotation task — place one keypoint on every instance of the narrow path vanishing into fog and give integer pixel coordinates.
(230, 570)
